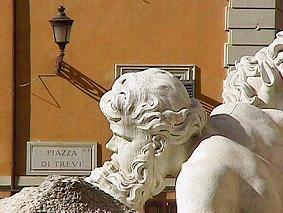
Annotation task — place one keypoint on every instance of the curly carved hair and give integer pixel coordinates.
(156, 102)
(264, 65)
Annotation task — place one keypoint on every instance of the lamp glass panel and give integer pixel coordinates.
(68, 33)
(60, 33)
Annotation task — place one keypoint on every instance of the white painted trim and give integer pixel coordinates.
(251, 18)
(266, 4)
(5, 181)
(185, 71)
(235, 53)
(251, 37)
(226, 21)
(26, 181)
(170, 182)
(225, 59)
(48, 171)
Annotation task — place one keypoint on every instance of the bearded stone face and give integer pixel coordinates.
(130, 176)
(150, 115)
(126, 143)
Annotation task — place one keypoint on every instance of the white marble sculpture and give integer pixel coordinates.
(257, 80)
(152, 118)
(230, 162)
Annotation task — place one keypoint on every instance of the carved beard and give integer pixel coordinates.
(133, 189)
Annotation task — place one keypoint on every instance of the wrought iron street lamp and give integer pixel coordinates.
(61, 25)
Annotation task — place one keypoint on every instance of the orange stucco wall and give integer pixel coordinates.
(106, 33)
(5, 87)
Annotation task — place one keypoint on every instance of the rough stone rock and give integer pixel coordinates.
(62, 194)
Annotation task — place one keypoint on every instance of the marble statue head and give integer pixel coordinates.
(151, 117)
(257, 79)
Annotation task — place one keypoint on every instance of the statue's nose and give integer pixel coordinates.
(111, 145)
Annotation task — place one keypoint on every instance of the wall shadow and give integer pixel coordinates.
(81, 81)
(208, 103)
(54, 102)
(22, 75)
(85, 85)
(99, 155)
(227, 126)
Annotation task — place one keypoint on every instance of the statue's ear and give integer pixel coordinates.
(176, 118)
(159, 144)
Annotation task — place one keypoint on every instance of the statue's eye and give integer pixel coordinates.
(123, 94)
(123, 137)
(123, 81)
